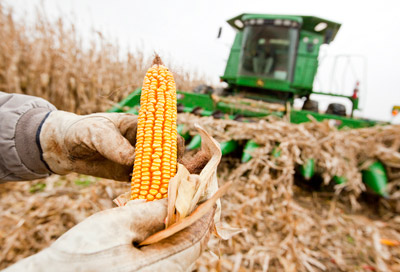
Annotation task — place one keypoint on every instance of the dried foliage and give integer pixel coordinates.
(290, 229)
(289, 226)
(34, 214)
(341, 153)
(83, 76)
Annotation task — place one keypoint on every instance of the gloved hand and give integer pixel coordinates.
(100, 144)
(105, 242)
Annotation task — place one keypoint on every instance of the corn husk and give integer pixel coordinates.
(191, 196)
(182, 223)
(50, 59)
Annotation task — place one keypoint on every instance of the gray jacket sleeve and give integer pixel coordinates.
(21, 117)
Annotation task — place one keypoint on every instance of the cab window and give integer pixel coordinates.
(268, 51)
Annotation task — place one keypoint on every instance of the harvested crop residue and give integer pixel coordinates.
(292, 225)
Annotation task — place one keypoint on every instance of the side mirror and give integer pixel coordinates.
(328, 35)
(219, 33)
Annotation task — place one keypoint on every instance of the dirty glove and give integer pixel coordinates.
(100, 144)
(97, 144)
(106, 242)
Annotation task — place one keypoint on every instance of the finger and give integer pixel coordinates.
(179, 251)
(113, 227)
(148, 218)
(127, 125)
(194, 164)
(103, 168)
(181, 147)
(176, 253)
(109, 142)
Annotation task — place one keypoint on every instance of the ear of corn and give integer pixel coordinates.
(156, 139)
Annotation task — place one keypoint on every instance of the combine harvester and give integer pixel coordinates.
(273, 61)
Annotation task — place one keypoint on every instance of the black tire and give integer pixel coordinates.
(180, 108)
(197, 110)
(336, 109)
(203, 89)
(217, 114)
(310, 105)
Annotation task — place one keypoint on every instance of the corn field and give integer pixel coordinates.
(49, 60)
(289, 225)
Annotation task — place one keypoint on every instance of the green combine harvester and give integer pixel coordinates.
(273, 61)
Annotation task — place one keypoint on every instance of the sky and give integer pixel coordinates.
(185, 33)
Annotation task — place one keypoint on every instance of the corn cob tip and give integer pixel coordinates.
(157, 60)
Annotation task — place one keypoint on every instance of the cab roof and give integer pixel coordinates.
(309, 23)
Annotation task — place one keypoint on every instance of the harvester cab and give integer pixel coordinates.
(275, 57)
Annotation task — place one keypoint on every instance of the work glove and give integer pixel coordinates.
(106, 242)
(100, 144)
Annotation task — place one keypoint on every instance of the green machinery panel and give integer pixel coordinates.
(307, 60)
(231, 69)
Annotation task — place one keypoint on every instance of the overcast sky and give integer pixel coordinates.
(184, 33)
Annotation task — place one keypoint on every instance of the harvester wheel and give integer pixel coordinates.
(197, 110)
(203, 89)
(217, 114)
(180, 108)
(310, 105)
(336, 109)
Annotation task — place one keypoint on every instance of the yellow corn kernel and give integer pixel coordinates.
(159, 196)
(156, 138)
(150, 197)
